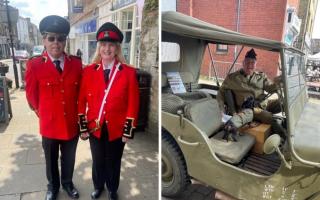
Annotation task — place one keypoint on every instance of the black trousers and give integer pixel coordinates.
(106, 161)
(68, 152)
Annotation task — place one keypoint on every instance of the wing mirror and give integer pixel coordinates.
(271, 145)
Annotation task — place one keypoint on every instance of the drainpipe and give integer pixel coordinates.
(191, 8)
(237, 28)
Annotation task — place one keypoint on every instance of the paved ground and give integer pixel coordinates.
(22, 167)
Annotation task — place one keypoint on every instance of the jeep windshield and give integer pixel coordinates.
(302, 114)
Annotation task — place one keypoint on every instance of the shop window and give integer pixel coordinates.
(221, 48)
(127, 37)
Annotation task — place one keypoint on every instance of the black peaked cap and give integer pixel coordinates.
(109, 32)
(54, 24)
(251, 54)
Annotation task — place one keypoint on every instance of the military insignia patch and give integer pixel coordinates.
(106, 34)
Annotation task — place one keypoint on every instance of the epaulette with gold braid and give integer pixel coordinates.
(32, 57)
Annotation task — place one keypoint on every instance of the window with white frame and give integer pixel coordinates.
(115, 19)
(221, 48)
(126, 18)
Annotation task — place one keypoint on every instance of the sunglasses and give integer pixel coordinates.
(59, 38)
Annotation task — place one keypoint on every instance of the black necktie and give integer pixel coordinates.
(57, 64)
(106, 73)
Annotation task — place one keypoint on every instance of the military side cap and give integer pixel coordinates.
(109, 32)
(54, 24)
(251, 54)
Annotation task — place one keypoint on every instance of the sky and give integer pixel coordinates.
(38, 9)
(316, 27)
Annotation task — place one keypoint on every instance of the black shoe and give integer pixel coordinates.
(71, 191)
(230, 132)
(96, 193)
(51, 195)
(113, 195)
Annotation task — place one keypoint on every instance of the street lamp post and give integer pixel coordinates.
(15, 70)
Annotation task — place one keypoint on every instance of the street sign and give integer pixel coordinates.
(77, 9)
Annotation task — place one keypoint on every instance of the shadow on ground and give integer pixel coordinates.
(24, 171)
(196, 191)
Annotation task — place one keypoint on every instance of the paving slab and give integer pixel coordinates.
(26, 140)
(10, 197)
(5, 140)
(141, 164)
(33, 196)
(35, 155)
(13, 156)
(22, 178)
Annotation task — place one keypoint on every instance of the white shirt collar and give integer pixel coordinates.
(109, 66)
(61, 60)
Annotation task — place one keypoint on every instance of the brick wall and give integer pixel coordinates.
(258, 18)
(183, 6)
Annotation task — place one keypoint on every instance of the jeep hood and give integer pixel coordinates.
(306, 135)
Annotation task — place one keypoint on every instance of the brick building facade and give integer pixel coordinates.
(265, 19)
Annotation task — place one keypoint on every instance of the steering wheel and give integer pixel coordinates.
(278, 91)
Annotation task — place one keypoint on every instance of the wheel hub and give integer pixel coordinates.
(167, 170)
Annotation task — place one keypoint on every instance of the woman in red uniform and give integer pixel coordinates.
(108, 108)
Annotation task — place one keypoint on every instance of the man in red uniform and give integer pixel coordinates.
(52, 88)
(109, 100)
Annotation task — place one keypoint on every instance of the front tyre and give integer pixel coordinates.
(175, 177)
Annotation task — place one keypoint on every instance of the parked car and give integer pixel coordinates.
(192, 142)
(21, 54)
(37, 50)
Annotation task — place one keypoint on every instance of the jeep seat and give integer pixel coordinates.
(192, 96)
(232, 152)
(206, 115)
(171, 103)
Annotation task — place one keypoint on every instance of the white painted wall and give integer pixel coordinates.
(23, 32)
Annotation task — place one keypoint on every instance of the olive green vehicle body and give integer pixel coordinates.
(300, 182)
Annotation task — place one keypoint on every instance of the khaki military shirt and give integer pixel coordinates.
(244, 86)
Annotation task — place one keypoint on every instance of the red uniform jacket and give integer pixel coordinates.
(54, 96)
(122, 101)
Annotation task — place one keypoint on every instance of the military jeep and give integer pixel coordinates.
(192, 144)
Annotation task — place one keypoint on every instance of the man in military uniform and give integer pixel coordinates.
(246, 90)
(52, 87)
